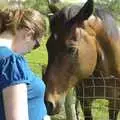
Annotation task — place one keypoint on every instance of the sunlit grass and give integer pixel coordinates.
(38, 57)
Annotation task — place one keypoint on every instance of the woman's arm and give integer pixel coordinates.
(15, 102)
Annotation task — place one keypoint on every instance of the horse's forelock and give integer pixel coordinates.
(108, 22)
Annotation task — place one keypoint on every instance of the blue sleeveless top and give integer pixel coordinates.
(15, 70)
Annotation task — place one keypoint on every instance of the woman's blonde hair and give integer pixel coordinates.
(14, 19)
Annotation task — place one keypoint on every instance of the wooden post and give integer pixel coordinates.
(70, 105)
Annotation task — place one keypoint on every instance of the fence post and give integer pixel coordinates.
(70, 105)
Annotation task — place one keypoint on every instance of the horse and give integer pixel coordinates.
(83, 40)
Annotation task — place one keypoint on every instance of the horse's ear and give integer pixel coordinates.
(53, 8)
(84, 12)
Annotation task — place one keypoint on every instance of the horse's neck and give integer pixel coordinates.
(102, 29)
(108, 46)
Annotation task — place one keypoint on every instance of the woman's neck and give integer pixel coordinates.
(6, 39)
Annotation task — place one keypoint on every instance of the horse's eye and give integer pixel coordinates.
(55, 36)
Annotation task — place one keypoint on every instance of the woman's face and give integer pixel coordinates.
(25, 42)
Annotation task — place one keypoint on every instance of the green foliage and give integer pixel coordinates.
(62, 5)
(112, 5)
(3, 4)
(41, 5)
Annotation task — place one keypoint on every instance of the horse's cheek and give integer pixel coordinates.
(87, 59)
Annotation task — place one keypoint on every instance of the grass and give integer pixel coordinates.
(38, 57)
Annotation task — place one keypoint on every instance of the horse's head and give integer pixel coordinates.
(71, 53)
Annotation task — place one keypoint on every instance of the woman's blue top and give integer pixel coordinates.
(15, 70)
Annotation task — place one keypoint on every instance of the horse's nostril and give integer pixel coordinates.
(50, 107)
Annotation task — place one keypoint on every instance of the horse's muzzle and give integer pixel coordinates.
(51, 109)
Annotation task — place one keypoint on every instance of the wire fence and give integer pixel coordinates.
(102, 88)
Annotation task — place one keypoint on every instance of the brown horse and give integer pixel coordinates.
(82, 41)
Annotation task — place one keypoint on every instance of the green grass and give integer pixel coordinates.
(38, 57)
(99, 111)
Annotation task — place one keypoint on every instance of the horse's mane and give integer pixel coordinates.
(107, 18)
(109, 22)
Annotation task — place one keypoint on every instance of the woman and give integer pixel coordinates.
(21, 92)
